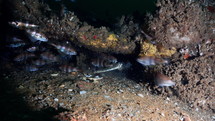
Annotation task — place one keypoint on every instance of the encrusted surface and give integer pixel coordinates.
(179, 23)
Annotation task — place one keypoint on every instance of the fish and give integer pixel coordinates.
(103, 61)
(39, 62)
(31, 68)
(68, 68)
(16, 44)
(31, 49)
(110, 58)
(162, 80)
(146, 61)
(15, 39)
(35, 36)
(23, 56)
(49, 57)
(65, 49)
(22, 25)
(151, 60)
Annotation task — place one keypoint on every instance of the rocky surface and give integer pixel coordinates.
(75, 97)
(51, 93)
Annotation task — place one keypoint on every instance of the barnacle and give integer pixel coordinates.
(149, 49)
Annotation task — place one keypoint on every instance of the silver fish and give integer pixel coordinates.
(151, 61)
(65, 49)
(35, 36)
(15, 39)
(31, 49)
(31, 68)
(21, 25)
(16, 44)
(162, 80)
(39, 62)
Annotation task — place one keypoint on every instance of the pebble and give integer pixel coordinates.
(83, 92)
(62, 86)
(162, 114)
(54, 74)
(21, 87)
(56, 100)
(108, 97)
(120, 91)
(70, 90)
(141, 95)
(61, 104)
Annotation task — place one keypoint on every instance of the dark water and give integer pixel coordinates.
(104, 11)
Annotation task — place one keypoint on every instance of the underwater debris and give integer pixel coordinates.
(117, 66)
(162, 80)
(94, 79)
